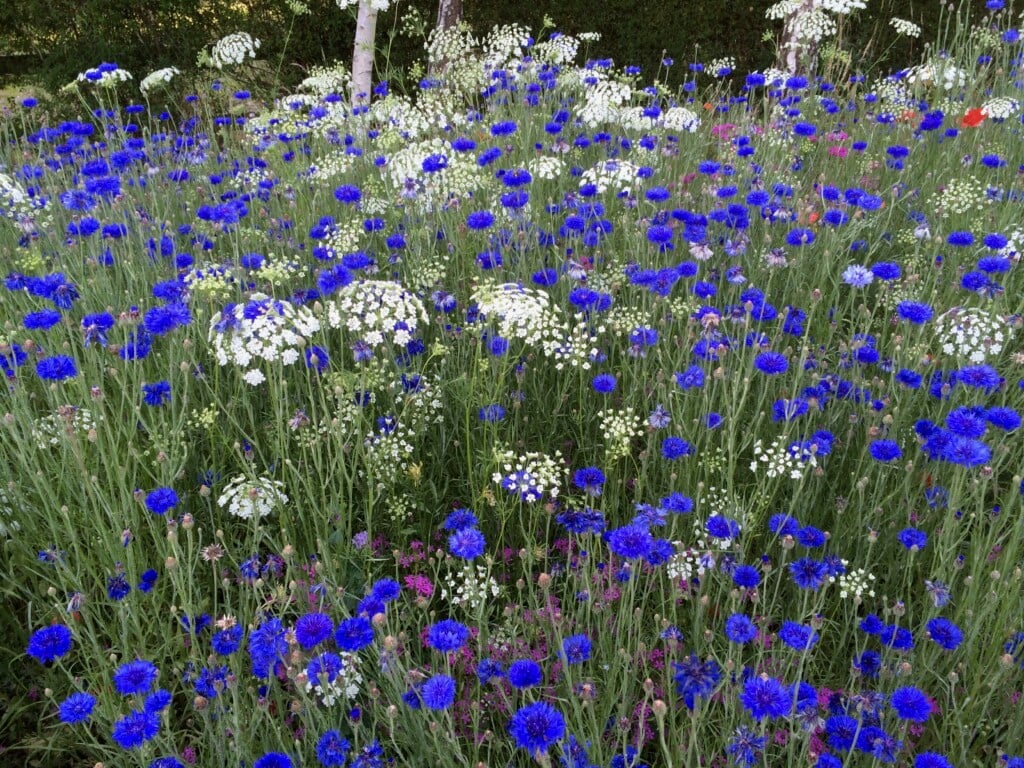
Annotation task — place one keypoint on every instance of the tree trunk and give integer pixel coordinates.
(449, 14)
(362, 54)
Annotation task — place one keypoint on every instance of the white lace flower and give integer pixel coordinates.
(375, 312)
(234, 49)
(157, 78)
(247, 498)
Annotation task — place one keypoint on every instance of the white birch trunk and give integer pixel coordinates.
(362, 54)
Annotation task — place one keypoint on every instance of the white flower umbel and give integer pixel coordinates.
(158, 78)
(68, 422)
(1000, 108)
(345, 684)
(782, 460)
(618, 429)
(529, 475)
(904, 27)
(971, 334)
(523, 313)
(247, 498)
(470, 587)
(617, 175)
(375, 312)
(262, 329)
(106, 75)
(234, 49)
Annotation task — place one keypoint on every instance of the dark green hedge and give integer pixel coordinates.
(59, 38)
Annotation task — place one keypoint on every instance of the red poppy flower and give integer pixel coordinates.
(973, 118)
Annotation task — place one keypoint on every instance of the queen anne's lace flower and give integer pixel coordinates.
(619, 175)
(67, 422)
(158, 78)
(782, 460)
(904, 27)
(234, 49)
(1000, 108)
(262, 329)
(247, 498)
(530, 475)
(523, 313)
(470, 587)
(375, 312)
(971, 333)
(106, 75)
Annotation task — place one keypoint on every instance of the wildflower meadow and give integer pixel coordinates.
(545, 414)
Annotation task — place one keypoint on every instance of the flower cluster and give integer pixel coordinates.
(971, 333)
(233, 49)
(530, 475)
(261, 329)
(249, 498)
(376, 312)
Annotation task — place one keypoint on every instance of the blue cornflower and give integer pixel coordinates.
(944, 633)
(135, 677)
(76, 708)
(897, 638)
(869, 663)
(576, 649)
(746, 576)
(348, 194)
(810, 537)
(487, 670)
(56, 368)
(840, 731)
(979, 377)
(659, 417)
(227, 641)
(458, 519)
(49, 643)
(746, 746)
(798, 237)
(884, 450)
(771, 363)
(317, 358)
(447, 635)
(536, 727)
(273, 760)
(722, 528)
(691, 378)
(604, 383)
(332, 749)
(157, 701)
(467, 543)
(799, 637)
(857, 276)
(631, 541)
(965, 451)
(960, 239)
(740, 629)
(911, 704)
(438, 692)
(933, 760)
(782, 524)
(675, 447)
(765, 697)
(354, 634)
(1003, 418)
(581, 521)
(156, 394)
(695, 678)
(161, 500)
(42, 320)
(312, 629)
(914, 312)
(136, 728)
(492, 413)
(118, 587)
(524, 673)
(808, 573)
(480, 220)
(590, 480)
(161, 320)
